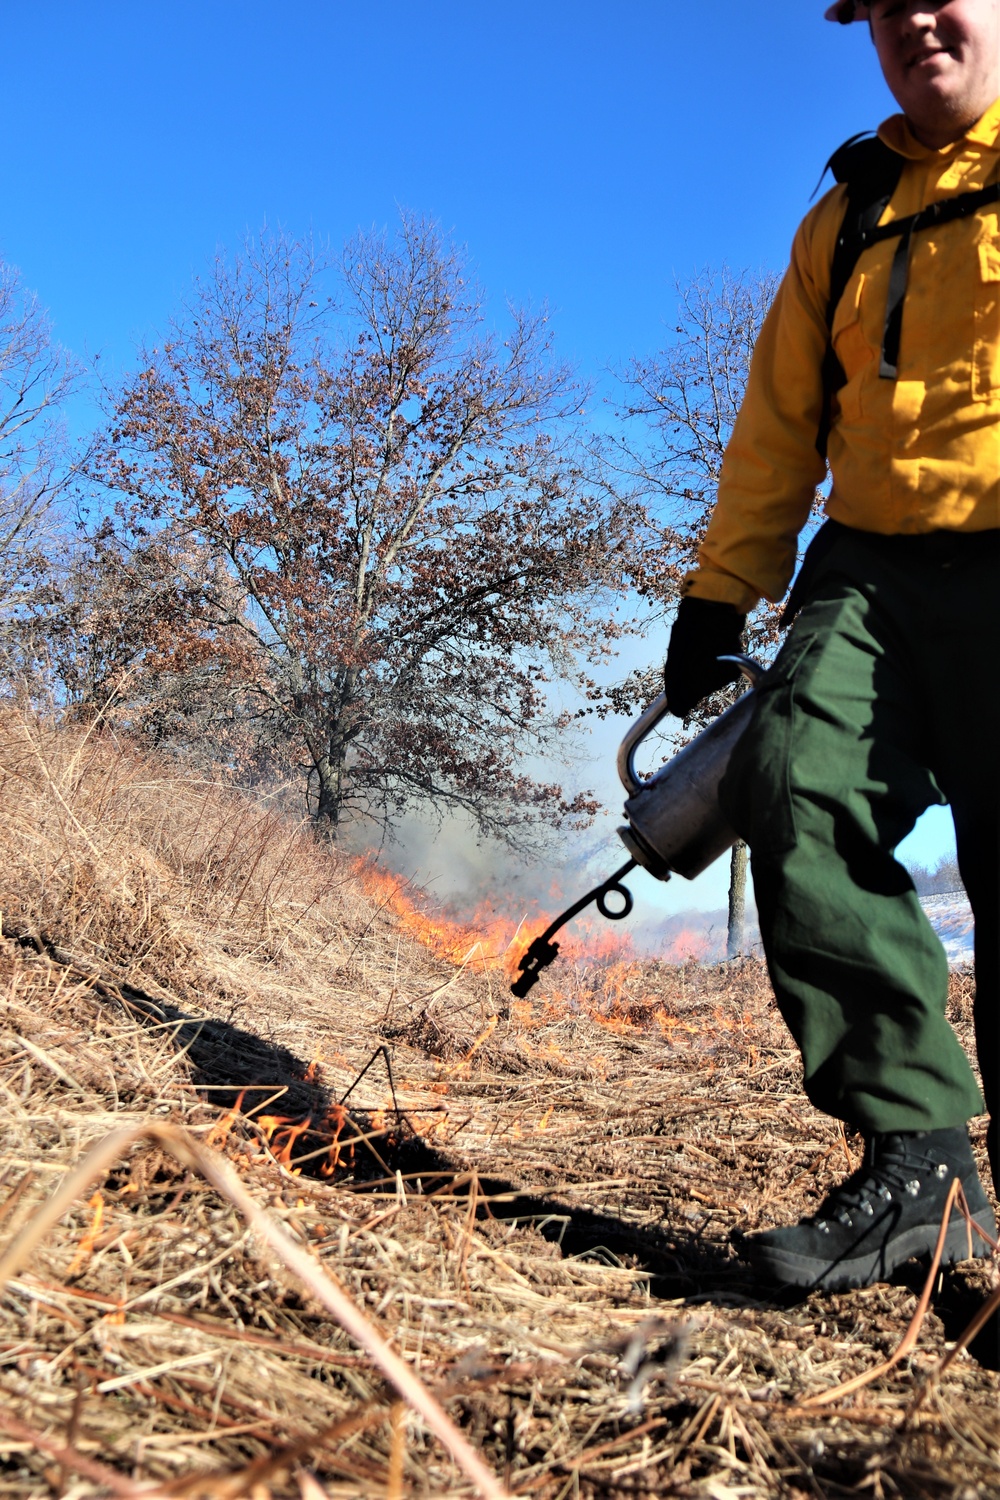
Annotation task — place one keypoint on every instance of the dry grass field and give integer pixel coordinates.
(496, 1262)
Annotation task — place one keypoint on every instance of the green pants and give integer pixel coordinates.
(882, 701)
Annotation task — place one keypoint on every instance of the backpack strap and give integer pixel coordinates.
(942, 212)
(871, 171)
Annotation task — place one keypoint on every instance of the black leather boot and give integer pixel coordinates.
(887, 1211)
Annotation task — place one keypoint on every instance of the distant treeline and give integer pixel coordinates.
(943, 879)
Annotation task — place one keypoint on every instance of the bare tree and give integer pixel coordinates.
(409, 551)
(944, 879)
(36, 377)
(678, 414)
(115, 630)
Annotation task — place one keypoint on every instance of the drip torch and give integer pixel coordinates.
(675, 825)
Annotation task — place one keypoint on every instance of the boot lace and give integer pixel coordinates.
(900, 1170)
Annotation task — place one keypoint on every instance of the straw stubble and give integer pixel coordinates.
(536, 1228)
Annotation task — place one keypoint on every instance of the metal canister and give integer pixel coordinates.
(675, 823)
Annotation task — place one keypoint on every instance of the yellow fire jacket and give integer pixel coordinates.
(919, 453)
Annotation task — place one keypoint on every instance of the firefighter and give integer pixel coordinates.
(883, 700)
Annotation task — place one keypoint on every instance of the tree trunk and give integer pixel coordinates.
(331, 763)
(737, 899)
(329, 774)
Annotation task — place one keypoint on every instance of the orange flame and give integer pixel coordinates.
(281, 1134)
(687, 946)
(606, 964)
(88, 1239)
(488, 939)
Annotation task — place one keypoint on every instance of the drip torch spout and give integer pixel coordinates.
(543, 950)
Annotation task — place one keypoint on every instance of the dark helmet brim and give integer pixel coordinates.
(846, 11)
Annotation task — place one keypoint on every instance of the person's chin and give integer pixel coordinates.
(934, 93)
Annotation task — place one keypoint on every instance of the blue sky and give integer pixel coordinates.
(586, 154)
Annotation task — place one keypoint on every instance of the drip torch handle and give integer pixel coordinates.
(750, 669)
(657, 710)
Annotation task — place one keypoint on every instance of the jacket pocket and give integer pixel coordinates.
(986, 343)
(756, 793)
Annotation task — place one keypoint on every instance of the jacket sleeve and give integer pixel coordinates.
(771, 467)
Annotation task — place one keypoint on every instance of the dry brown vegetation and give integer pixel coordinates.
(540, 1229)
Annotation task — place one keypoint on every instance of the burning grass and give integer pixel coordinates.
(534, 1218)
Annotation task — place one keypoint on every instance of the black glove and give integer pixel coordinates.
(703, 631)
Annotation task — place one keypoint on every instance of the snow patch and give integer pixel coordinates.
(951, 917)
